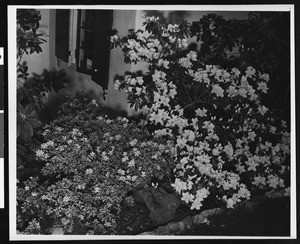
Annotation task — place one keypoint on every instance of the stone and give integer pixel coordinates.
(165, 210)
(162, 230)
(162, 206)
(57, 231)
(173, 227)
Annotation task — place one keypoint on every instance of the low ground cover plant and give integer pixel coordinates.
(90, 163)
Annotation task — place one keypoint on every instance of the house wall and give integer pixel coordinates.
(115, 100)
(37, 62)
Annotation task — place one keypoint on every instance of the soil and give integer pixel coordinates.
(268, 218)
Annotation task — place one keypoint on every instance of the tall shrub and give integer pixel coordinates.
(228, 144)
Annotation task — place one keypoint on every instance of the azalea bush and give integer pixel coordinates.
(89, 165)
(228, 145)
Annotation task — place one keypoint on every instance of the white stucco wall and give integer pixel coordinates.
(122, 21)
(37, 62)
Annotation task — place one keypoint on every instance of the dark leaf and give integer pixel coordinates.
(29, 108)
(20, 108)
(34, 122)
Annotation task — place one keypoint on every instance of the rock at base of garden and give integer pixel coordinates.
(162, 208)
(56, 231)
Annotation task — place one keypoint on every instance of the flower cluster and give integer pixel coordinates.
(91, 162)
(228, 145)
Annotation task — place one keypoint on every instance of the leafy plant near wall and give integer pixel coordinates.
(229, 145)
(31, 90)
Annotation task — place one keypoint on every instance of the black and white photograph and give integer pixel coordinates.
(147, 122)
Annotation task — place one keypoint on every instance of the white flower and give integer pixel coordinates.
(240, 168)
(81, 186)
(172, 93)
(114, 38)
(133, 142)
(252, 165)
(43, 146)
(118, 137)
(117, 86)
(228, 150)
(201, 112)
(179, 185)
(107, 224)
(184, 43)
(190, 135)
(218, 91)
(39, 153)
(196, 204)
(251, 135)
(163, 62)
(273, 181)
(124, 159)
(45, 197)
(262, 109)
(187, 197)
(173, 28)
(209, 126)
(89, 171)
(242, 92)
(232, 91)
(202, 193)
(263, 87)
(131, 163)
(66, 199)
(259, 181)
(94, 103)
(192, 55)
(243, 192)
(185, 62)
(235, 72)
(287, 191)
(229, 201)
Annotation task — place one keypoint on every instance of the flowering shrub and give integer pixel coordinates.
(90, 164)
(228, 145)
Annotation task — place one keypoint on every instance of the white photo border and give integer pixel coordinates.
(12, 88)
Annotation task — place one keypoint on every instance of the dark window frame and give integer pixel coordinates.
(99, 47)
(100, 32)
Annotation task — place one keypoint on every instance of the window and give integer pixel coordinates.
(92, 42)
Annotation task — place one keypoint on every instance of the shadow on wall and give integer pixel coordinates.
(56, 99)
(50, 111)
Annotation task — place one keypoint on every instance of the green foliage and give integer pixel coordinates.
(31, 89)
(34, 90)
(28, 40)
(26, 121)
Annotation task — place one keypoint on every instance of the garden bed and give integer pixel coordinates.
(203, 149)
